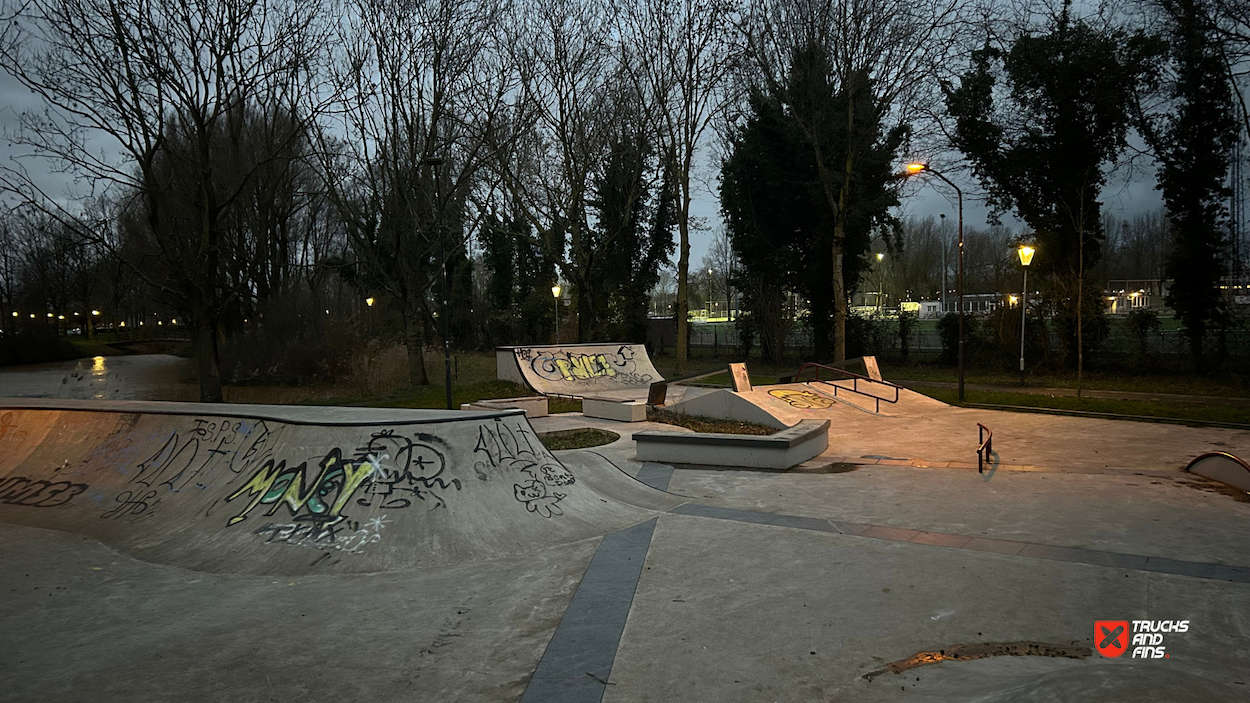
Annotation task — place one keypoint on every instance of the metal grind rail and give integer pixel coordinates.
(986, 437)
(855, 381)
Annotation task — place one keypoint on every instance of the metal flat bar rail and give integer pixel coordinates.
(855, 380)
(986, 437)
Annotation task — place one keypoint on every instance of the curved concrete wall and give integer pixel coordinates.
(578, 369)
(263, 489)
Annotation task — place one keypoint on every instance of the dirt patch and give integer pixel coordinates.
(577, 439)
(707, 424)
(981, 650)
(1207, 485)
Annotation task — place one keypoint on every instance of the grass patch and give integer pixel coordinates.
(1226, 385)
(577, 439)
(556, 405)
(707, 424)
(1170, 411)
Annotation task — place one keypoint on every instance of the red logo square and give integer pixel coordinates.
(1111, 637)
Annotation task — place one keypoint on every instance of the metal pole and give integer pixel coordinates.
(960, 292)
(556, 298)
(1024, 302)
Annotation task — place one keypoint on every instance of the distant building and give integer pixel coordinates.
(1125, 296)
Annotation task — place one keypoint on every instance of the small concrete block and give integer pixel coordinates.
(891, 533)
(1181, 568)
(938, 539)
(627, 411)
(998, 546)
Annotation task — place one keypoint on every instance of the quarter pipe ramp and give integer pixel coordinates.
(283, 490)
(579, 370)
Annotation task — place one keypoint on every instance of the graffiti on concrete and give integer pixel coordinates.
(515, 452)
(8, 428)
(316, 495)
(806, 400)
(404, 470)
(132, 504)
(349, 536)
(19, 490)
(183, 458)
(572, 366)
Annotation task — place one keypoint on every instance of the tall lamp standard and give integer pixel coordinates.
(913, 169)
(1026, 257)
(555, 293)
(434, 162)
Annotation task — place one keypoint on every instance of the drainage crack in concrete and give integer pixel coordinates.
(981, 650)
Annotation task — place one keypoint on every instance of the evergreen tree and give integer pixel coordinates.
(1194, 148)
(1041, 146)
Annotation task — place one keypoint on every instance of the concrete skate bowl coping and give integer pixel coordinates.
(1222, 467)
(285, 490)
(579, 370)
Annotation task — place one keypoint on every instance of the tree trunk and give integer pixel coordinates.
(206, 355)
(683, 278)
(415, 341)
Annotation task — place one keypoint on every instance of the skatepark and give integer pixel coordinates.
(166, 551)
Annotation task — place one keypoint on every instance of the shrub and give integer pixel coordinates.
(35, 344)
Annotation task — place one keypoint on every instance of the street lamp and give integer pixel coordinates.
(1026, 257)
(913, 169)
(880, 283)
(555, 293)
(434, 162)
(369, 302)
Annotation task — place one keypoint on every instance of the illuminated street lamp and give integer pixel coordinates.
(1026, 257)
(555, 294)
(912, 170)
(369, 302)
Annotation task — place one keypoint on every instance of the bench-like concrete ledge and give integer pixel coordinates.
(782, 450)
(534, 406)
(614, 409)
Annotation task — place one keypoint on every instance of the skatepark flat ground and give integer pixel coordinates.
(754, 586)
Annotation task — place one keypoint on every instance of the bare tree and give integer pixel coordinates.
(683, 54)
(580, 113)
(423, 91)
(121, 79)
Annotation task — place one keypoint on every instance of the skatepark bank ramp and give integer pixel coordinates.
(579, 370)
(285, 490)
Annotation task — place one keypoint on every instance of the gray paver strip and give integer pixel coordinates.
(1093, 557)
(578, 660)
(655, 475)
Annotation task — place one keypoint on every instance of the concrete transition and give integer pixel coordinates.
(608, 369)
(276, 490)
(1222, 467)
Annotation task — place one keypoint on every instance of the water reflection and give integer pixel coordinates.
(97, 367)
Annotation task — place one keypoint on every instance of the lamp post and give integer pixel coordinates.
(555, 293)
(880, 283)
(434, 162)
(913, 169)
(1026, 257)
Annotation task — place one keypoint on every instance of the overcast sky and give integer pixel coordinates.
(1130, 191)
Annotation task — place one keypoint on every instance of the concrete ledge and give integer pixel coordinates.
(534, 406)
(614, 409)
(783, 450)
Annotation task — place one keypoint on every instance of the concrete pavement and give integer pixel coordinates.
(749, 586)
